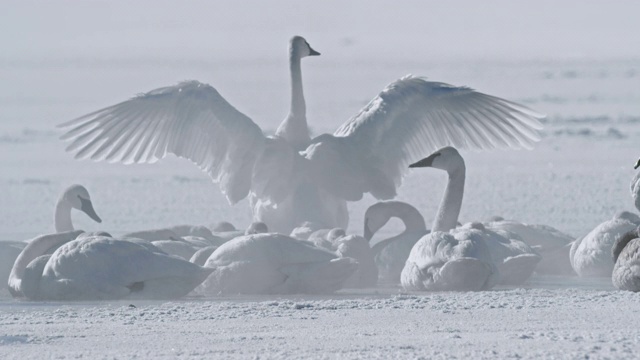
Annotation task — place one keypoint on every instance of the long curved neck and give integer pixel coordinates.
(62, 216)
(294, 128)
(410, 217)
(449, 210)
(35, 248)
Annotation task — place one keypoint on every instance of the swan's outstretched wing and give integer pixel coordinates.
(410, 119)
(190, 120)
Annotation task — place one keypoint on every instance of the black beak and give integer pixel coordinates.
(637, 164)
(367, 233)
(426, 162)
(313, 52)
(87, 207)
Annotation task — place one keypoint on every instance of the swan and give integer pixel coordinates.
(289, 177)
(552, 244)
(626, 257)
(272, 263)
(392, 253)
(466, 258)
(591, 255)
(352, 246)
(96, 267)
(514, 259)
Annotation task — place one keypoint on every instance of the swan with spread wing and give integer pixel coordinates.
(289, 177)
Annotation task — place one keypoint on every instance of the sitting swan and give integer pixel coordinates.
(461, 260)
(591, 255)
(626, 257)
(392, 253)
(289, 177)
(553, 245)
(74, 197)
(95, 267)
(275, 264)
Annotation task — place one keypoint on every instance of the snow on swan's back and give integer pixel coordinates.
(275, 263)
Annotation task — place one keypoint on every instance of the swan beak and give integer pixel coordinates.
(637, 164)
(87, 207)
(426, 162)
(313, 52)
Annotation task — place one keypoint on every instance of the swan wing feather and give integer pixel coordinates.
(190, 120)
(413, 117)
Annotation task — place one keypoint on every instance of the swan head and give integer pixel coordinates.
(300, 47)
(637, 165)
(257, 227)
(447, 158)
(78, 198)
(375, 217)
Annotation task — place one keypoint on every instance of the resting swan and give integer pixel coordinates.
(466, 258)
(392, 253)
(591, 255)
(97, 267)
(275, 264)
(289, 177)
(626, 257)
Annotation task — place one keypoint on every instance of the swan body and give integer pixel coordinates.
(553, 245)
(99, 268)
(441, 261)
(275, 264)
(591, 255)
(626, 257)
(289, 177)
(514, 259)
(392, 253)
(351, 246)
(635, 189)
(200, 257)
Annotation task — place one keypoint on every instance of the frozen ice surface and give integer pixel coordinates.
(578, 62)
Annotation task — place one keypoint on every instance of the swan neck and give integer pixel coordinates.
(411, 218)
(451, 203)
(298, 105)
(62, 216)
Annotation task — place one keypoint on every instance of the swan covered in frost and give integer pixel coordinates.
(392, 253)
(626, 257)
(552, 244)
(289, 177)
(591, 255)
(273, 263)
(466, 258)
(98, 267)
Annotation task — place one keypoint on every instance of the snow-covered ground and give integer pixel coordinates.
(578, 62)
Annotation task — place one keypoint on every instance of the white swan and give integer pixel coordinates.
(635, 189)
(351, 246)
(466, 258)
(591, 255)
(275, 264)
(514, 259)
(289, 177)
(392, 253)
(552, 244)
(74, 197)
(97, 268)
(626, 257)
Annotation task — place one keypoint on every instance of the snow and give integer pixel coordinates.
(578, 62)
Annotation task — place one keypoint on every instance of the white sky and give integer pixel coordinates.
(395, 29)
